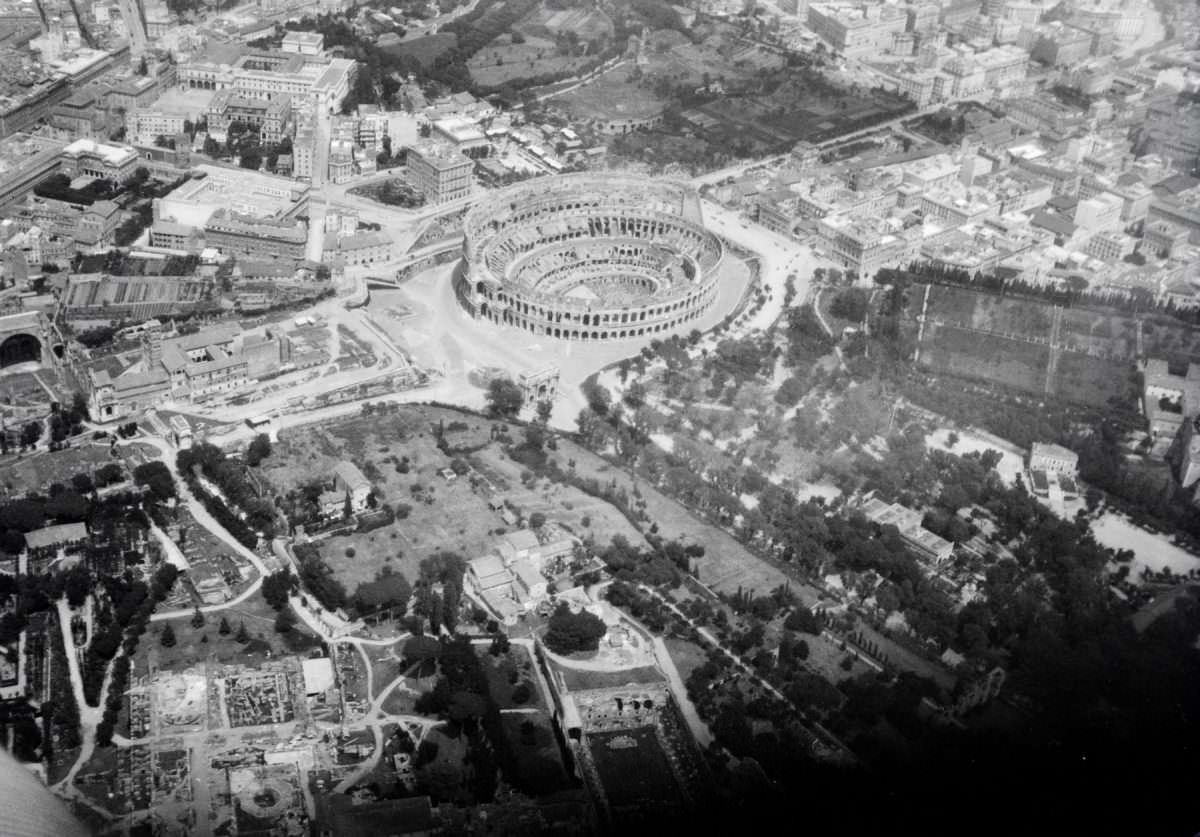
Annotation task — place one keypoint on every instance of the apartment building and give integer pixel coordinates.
(856, 30)
(439, 172)
(260, 238)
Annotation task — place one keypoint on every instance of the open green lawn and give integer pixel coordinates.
(580, 680)
(615, 95)
(426, 48)
(399, 702)
(726, 565)
(973, 354)
(1165, 337)
(1094, 381)
(990, 312)
(36, 471)
(503, 61)
(687, 655)
(503, 670)
(442, 514)
(538, 762)
(193, 645)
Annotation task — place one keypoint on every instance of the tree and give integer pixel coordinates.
(599, 398)
(850, 304)
(802, 619)
(570, 632)
(537, 520)
(108, 474)
(285, 621)
(83, 483)
(277, 587)
(198, 619)
(77, 585)
(157, 477)
(27, 737)
(522, 694)
(243, 635)
(544, 408)
(168, 637)
(422, 649)
(30, 434)
(259, 450)
(223, 629)
(504, 398)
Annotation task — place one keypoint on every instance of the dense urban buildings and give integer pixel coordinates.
(598, 418)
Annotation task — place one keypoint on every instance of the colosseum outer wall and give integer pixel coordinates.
(582, 257)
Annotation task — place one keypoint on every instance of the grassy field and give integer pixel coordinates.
(34, 472)
(687, 656)
(989, 312)
(443, 514)
(503, 61)
(538, 760)
(586, 23)
(194, 645)
(426, 48)
(1093, 380)
(1094, 367)
(633, 775)
(580, 680)
(1107, 334)
(973, 354)
(500, 672)
(825, 657)
(726, 565)
(615, 95)
(1167, 338)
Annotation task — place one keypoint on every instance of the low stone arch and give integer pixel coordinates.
(20, 348)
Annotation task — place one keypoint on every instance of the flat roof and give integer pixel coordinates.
(303, 37)
(318, 675)
(114, 155)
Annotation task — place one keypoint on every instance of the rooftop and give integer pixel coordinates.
(54, 535)
(113, 155)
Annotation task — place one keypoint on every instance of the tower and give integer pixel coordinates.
(969, 166)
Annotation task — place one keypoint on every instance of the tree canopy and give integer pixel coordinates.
(504, 398)
(570, 632)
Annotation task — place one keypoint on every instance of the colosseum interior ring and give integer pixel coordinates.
(588, 257)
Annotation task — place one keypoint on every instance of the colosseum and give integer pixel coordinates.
(589, 257)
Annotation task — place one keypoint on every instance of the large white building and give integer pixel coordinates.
(856, 30)
(98, 159)
(143, 127)
(1056, 458)
(1099, 213)
(320, 81)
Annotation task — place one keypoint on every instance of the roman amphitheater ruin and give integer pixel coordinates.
(589, 257)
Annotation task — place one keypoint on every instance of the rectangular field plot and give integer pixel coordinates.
(988, 312)
(1165, 338)
(1097, 332)
(972, 354)
(537, 765)
(633, 767)
(1093, 380)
